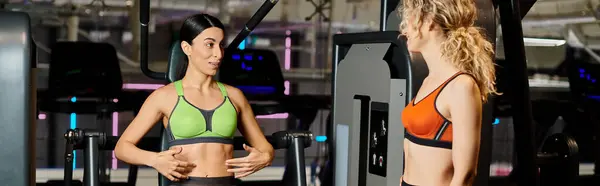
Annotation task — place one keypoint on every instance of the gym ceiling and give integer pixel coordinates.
(575, 21)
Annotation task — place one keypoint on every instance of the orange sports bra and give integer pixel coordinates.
(424, 124)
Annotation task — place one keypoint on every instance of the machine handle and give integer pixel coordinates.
(144, 19)
(68, 176)
(369, 37)
(260, 14)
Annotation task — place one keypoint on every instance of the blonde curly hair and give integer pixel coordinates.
(466, 46)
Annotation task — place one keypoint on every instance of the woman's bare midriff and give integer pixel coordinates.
(209, 158)
(427, 165)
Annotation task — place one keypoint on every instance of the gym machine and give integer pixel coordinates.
(558, 160)
(93, 87)
(360, 105)
(17, 82)
(295, 141)
(559, 153)
(585, 89)
(257, 73)
(369, 97)
(92, 142)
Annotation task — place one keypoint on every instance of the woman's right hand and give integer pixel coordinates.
(166, 164)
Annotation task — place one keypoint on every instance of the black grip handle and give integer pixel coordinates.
(368, 37)
(260, 14)
(144, 12)
(144, 19)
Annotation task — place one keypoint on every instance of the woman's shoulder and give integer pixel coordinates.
(235, 94)
(166, 90)
(159, 95)
(232, 91)
(463, 82)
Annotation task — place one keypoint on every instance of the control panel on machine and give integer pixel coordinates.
(378, 130)
(254, 71)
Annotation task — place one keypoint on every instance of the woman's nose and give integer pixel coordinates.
(218, 54)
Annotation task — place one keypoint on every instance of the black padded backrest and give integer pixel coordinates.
(164, 145)
(176, 57)
(84, 69)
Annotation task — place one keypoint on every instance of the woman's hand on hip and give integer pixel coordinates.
(245, 166)
(166, 164)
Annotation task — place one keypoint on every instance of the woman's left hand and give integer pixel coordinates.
(245, 166)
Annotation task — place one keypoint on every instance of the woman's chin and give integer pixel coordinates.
(413, 51)
(210, 72)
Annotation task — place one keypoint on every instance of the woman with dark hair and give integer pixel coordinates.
(201, 116)
(443, 121)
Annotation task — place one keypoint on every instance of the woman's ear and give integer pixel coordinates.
(431, 23)
(186, 47)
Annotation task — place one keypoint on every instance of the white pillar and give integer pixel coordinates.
(134, 26)
(72, 27)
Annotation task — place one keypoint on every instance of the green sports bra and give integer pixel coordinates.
(189, 124)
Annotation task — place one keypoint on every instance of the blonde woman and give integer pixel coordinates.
(443, 121)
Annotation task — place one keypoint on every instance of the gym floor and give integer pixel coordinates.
(148, 177)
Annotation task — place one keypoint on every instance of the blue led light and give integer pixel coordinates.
(257, 89)
(73, 125)
(496, 121)
(242, 45)
(235, 57)
(321, 138)
(73, 120)
(260, 58)
(596, 97)
(248, 57)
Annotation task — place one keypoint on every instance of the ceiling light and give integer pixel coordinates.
(543, 42)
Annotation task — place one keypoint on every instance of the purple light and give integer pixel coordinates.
(286, 84)
(136, 86)
(288, 53)
(288, 42)
(115, 132)
(115, 100)
(287, 59)
(42, 116)
(273, 116)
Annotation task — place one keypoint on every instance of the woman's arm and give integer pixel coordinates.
(261, 152)
(465, 111)
(248, 125)
(126, 149)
